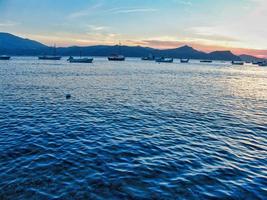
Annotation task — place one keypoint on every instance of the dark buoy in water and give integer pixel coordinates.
(68, 96)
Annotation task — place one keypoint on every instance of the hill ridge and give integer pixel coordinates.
(13, 45)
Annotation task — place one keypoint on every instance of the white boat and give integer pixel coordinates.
(184, 60)
(80, 60)
(164, 60)
(237, 63)
(149, 58)
(116, 58)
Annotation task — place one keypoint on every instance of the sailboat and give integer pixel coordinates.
(117, 57)
(80, 60)
(4, 57)
(53, 57)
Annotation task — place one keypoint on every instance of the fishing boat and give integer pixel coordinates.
(206, 61)
(237, 63)
(149, 58)
(184, 60)
(116, 58)
(80, 60)
(51, 57)
(164, 60)
(4, 57)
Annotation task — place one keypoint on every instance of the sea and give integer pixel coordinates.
(132, 130)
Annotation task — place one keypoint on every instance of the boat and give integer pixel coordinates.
(51, 57)
(4, 57)
(164, 60)
(263, 64)
(184, 60)
(206, 61)
(237, 63)
(116, 58)
(149, 58)
(80, 60)
(256, 62)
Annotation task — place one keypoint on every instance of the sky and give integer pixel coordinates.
(208, 25)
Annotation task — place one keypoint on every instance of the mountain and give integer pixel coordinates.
(131, 51)
(12, 42)
(223, 55)
(14, 45)
(138, 51)
(104, 50)
(248, 58)
(182, 52)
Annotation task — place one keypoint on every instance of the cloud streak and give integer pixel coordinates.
(86, 12)
(98, 10)
(134, 10)
(8, 24)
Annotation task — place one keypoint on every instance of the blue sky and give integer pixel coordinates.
(205, 24)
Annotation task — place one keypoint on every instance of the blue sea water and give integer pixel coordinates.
(132, 130)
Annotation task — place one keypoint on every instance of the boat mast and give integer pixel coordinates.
(55, 50)
(119, 48)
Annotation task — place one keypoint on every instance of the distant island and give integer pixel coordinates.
(17, 46)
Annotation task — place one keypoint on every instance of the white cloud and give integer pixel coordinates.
(134, 10)
(8, 24)
(85, 12)
(97, 28)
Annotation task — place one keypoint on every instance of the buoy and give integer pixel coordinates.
(68, 96)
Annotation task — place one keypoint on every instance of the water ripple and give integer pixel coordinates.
(132, 130)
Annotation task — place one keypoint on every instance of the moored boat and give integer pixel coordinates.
(237, 63)
(116, 58)
(184, 60)
(263, 64)
(256, 62)
(206, 61)
(148, 58)
(164, 60)
(49, 57)
(80, 60)
(4, 57)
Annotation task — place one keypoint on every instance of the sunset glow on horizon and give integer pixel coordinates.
(203, 24)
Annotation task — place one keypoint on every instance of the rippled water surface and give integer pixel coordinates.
(132, 130)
